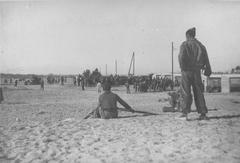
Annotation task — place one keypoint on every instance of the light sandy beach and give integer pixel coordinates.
(48, 126)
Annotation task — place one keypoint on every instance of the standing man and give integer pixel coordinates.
(42, 84)
(62, 80)
(193, 58)
(79, 80)
(127, 87)
(136, 85)
(82, 83)
(164, 83)
(16, 83)
(74, 81)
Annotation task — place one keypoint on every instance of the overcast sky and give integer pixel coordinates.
(69, 36)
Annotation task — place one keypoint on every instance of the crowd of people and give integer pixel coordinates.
(143, 83)
(79, 81)
(157, 84)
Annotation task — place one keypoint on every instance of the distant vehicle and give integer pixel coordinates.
(213, 83)
(234, 84)
(222, 83)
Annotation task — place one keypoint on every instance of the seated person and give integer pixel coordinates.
(107, 104)
(175, 100)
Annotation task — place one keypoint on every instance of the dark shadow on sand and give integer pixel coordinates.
(132, 116)
(219, 117)
(225, 117)
(171, 109)
(13, 102)
(142, 114)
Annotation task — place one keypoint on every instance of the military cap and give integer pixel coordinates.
(191, 32)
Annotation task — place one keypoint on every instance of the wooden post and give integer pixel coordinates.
(106, 69)
(1, 95)
(133, 63)
(172, 65)
(1, 91)
(116, 67)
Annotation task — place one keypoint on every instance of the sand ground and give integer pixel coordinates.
(48, 126)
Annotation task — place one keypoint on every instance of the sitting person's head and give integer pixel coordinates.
(106, 86)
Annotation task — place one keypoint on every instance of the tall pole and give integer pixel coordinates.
(172, 62)
(133, 63)
(1, 91)
(116, 67)
(106, 69)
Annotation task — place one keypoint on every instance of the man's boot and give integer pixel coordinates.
(203, 117)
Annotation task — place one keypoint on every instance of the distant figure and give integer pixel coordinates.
(42, 84)
(107, 104)
(1, 95)
(175, 100)
(127, 87)
(176, 83)
(74, 81)
(62, 80)
(82, 83)
(99, 87)
(164, 81)
(16, 83)
(78, 80)
(136, 85)
(193, 58)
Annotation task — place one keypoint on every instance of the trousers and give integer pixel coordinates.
(192, 79)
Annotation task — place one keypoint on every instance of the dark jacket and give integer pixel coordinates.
(193, 56)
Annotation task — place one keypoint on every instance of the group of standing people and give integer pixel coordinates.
(79, 81)
(157, 84)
